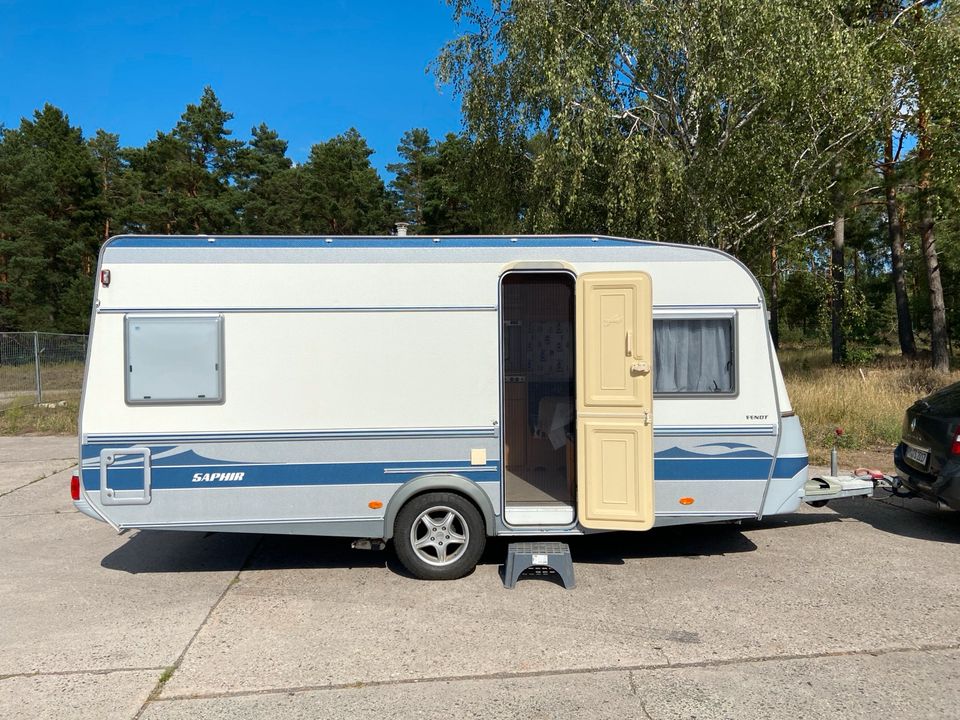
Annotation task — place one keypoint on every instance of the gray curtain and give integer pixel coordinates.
(692, 356)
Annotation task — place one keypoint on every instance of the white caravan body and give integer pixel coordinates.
(314, 385)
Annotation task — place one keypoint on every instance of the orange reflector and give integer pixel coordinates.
(375, 504)
(686, 501)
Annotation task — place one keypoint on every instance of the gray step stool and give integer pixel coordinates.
(541, 555)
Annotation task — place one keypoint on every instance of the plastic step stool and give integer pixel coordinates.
(526, 555)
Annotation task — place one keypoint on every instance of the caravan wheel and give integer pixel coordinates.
(439, 536)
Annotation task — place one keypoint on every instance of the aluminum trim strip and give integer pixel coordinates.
(688, 430)
(465, 468)
(325, 309)
(240, 436)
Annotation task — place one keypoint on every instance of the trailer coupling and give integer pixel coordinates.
(820, 490)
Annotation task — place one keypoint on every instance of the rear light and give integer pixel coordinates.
(75, 487)
(955, 448)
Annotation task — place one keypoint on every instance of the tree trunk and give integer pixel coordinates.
(774, 296)
(939, 346)
(908, 346)
(838, 341)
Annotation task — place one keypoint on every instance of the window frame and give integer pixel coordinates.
(220, 399)
(733, 316)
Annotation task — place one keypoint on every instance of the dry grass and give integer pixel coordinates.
(53, 376)
(867, 402)
(58, 417)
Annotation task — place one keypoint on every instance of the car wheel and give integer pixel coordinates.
(439, 536)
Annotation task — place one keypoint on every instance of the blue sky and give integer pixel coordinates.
(308, 69)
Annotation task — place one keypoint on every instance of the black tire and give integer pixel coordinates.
(422, 520)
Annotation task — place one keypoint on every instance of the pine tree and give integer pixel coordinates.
(342, 193)
(50, 217)
(267, 182)
(186, 175)
(418, 155)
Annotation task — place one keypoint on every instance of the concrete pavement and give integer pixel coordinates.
(847, 611)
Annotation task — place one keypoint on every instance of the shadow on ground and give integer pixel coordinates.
(917, 519)
(156, 551)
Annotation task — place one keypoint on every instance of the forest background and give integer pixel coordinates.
(818, 141)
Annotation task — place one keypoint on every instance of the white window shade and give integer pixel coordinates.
(693, 355)
(174, 359)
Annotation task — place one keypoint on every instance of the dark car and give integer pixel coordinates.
(928, 456)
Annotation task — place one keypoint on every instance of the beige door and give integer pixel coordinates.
(615, 401)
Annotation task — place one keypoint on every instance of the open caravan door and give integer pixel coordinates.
(615, 401)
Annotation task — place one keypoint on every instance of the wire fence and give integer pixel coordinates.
(38, 367)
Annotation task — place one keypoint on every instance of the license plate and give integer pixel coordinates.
(917, 456)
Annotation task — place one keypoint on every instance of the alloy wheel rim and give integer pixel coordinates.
(439, 536)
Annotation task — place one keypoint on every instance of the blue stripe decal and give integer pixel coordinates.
(388, 242)
(188, 469)
(712, 469)
(788, 467)
(130, 477)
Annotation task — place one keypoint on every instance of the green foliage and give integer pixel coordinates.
(50, 214)
(186, 177)
(268, 184)
(62, 196)
(341, 193)
(417, 168)
(747, 125)
(692, 122)
(460, 186)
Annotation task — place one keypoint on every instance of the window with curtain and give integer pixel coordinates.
(693, 355)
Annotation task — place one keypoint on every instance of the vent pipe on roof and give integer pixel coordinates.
(402, 229)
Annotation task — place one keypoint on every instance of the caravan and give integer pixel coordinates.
(431, 391)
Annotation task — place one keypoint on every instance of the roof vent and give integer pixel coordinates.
(402, 229)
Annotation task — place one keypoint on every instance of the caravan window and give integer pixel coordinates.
(693, 356)
(174, 359)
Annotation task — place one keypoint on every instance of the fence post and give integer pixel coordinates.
(36, 365)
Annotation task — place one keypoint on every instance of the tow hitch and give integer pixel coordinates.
(820, 490)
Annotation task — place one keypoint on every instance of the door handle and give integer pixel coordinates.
(640, 368)
(629, 344)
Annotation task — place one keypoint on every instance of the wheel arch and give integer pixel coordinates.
(438, 483)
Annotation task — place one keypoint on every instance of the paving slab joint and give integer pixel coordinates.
(511, 675)
(73, 463)
(169, 671)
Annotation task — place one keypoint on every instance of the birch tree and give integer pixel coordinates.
(710, 122)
